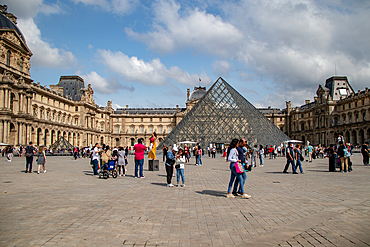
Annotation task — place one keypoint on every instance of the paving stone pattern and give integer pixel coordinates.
(68, 206)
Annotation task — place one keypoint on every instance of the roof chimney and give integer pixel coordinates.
(126, 106)
(307, 101)
(188, 95)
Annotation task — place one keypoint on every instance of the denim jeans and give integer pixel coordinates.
(139, 164)
(236, 183)
(254, 161)
(200, 160)
(299, 164)
(180, 172)
(234, 175)
(95, 162)
(294, 168)
(29, 161)
(261, 159)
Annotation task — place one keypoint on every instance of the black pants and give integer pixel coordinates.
(29, 161)
(169, 170)
(164, 156)
(213, 155)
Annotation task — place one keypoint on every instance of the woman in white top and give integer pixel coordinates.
(233, 157)
(180, 167)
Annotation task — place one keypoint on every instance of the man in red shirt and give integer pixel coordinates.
(139, 158)
(271, 152)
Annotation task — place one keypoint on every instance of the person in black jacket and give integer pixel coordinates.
(365, 153)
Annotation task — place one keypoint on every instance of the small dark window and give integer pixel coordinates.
(76, 108)
(8, 54)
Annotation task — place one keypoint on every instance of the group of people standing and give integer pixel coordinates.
(236, 154)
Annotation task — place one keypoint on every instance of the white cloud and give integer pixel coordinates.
(196, 29)
(100, 84)
(115, 6)
(116, 106)
(43, 53)
(151, 73)
(222, 68)
(25, 9)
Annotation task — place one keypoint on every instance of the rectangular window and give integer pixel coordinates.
(76, 108)
(117, 129)
(102, 116)
(169, 129)
(132, 130)
(141, 130)
(102, 127)
(141, 119)
(150, 130)
(132, 120)
(160, 130)
(151, 119)
(169, 120)
(160, 119)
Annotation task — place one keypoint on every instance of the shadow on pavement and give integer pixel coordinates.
(277, 172)
(212, 193)
(160, 184)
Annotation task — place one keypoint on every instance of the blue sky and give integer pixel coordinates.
(145, 53)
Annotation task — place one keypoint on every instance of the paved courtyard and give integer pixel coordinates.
(67, 206)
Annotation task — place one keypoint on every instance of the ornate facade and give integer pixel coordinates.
(336, 110)
(32, 112)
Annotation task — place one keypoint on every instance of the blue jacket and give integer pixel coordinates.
(170, 156)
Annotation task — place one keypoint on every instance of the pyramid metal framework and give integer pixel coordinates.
(221, 115)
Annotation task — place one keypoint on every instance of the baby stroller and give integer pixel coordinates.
(108, 169)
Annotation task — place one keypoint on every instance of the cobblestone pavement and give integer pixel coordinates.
(67, 206)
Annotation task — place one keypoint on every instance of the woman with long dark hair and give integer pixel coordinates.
(232, 156)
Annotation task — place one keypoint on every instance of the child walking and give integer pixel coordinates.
(41, 159)
(180, 167)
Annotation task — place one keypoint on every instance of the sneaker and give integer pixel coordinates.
(123, 175)
(246, 196)
(285, 172)
(295, 172)
(169, 185)
(38, 172)
(196, 164)
(44, 171)
(142, 177)
(177, 185)
(135, 177)
(229, 195)
(261, 165)
(119, 175)
(183, 185)
(234, 194)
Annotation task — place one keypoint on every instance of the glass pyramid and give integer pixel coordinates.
(221, 115)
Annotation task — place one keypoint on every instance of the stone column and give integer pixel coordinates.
(2, 131)
(6, 129)
(2, 99)
(9, 92)
(6, 98)
(21, 102)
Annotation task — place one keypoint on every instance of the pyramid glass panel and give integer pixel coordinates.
(221, 115)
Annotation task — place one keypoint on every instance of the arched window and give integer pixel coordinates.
(8, 54)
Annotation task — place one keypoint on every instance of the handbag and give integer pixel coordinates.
(177, 166)
(239, 167)
(301, 158)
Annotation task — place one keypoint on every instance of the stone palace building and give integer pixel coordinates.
(32, 112)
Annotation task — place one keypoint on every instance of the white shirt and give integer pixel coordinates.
(181, 161)
(95, 156)
(233, 155)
